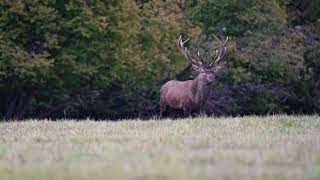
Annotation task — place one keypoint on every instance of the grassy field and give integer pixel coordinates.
(275, 147)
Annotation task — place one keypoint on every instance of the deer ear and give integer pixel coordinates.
(218, 68)
(196, 67)
(215, 69)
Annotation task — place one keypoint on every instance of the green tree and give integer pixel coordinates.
(62, 54)
(234, 17)
(109, 58)
(55, 51)
(159, 60)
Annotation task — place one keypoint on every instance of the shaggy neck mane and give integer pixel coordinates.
(202, 89)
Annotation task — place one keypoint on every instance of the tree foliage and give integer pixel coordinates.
(109, 58)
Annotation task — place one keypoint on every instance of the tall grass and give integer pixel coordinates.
(275, 147)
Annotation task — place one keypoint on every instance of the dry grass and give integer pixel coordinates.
(276, 147)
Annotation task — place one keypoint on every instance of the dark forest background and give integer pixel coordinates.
(108, 59)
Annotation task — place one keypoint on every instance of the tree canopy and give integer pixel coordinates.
(108, 59)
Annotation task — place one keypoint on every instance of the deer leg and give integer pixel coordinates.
(202, 110)
(186, 112)
(162, 108)
(203, 113)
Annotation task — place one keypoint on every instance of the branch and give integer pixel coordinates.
(23, 109)
(10, 110)
(55, 108)
(178, 75)
(64, 103)
(281, 102)
(184, 71)
(314, 89)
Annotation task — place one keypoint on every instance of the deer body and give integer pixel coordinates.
(191, 95)
(188, 95)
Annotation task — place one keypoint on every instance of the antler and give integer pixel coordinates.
(186, 54)
(221, 52)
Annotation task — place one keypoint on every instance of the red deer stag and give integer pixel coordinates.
(191, 95)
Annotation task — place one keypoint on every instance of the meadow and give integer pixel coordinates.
(272, 147)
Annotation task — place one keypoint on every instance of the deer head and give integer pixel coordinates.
(206, 70)
(191, 95)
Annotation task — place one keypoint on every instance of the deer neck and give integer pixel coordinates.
(202, 90)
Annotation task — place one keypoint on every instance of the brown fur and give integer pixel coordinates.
(188, 95)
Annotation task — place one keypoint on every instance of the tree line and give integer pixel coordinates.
(108, 59)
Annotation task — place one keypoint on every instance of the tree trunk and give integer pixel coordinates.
(18, 104)
(11, 107)
(20, 112)
(55, 108)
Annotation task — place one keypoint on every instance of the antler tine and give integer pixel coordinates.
(185, 52)
(186, 41)
(216, 37)
(227, 39)
(217, 54)
(221, 52)
(202, 61)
